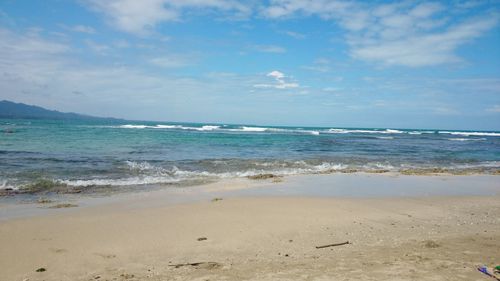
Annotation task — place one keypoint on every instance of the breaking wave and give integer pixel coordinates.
(467, 134)
(151, 174)
(462, 139)
(289, 130)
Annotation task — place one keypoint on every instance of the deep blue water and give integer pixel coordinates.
(85, 153)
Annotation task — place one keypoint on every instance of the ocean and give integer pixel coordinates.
(44, 155)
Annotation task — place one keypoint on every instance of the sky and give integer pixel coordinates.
(378, 64)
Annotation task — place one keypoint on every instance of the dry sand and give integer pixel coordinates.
(258, 238)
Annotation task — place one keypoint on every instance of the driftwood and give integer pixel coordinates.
(333, 245)
(205, 265)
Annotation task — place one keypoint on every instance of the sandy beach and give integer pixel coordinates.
(241, 236)
(278, 140)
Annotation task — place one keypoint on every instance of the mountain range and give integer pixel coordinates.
(13, 110)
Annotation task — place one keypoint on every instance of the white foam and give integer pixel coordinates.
(253, 129)
(159, 175)
(378, 166)
(385, 138)
(167, 127)
(209, 128)
(141, 166)
(128, 126)
(245, 129)
(391, 131)
(175, 175)
(365, 131)
(203, 128)
(421, 132)
(338, 131)
(346, 131)
(462, 139)
(122, 181)
(485, 164)
(5, 185)
(467, 134)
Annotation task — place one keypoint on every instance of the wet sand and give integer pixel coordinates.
(259, 232)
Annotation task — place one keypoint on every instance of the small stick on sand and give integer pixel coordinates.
(207, 265)
(332, 245)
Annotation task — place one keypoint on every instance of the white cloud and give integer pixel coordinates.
(96, 47)
(141, 17)
(295, 35)
(406, 33)
(403, 33)
(171, 61)
(280, 82)
(42, 71)
(134, 16)
(494, 109)
(269, 49)
(419, 49)
(319, 65)
(276, 75)
(331, 89)
(121, 44)
(444, 110)
(26, 62)
(83, 29)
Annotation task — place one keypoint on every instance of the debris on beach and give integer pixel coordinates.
(41, 269)
(264, 177)
(201, 265)
(424, 171)
(43, 185)
(127, 275)
(63, 205)
(431, 244)
(42, 200)
(216, 199)
(278, 179)
(485, 270)
(349, 171)
(378, 171)
(333, 245)
(202, 238)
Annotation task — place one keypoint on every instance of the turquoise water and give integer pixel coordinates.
(112, 154)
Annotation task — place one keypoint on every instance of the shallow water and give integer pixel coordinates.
(99, 155)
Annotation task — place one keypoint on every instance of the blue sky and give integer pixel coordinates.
(405, 64)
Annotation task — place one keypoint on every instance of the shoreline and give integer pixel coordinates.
(337, 185)
(42, 186)
(260, 230)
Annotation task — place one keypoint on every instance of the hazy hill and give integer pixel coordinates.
(10, 109)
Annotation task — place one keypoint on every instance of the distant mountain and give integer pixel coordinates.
(12, 110)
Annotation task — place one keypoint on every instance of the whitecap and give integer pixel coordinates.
(358, 131)
(209, 128)
(462, 139)
(337, 131)
(392, 131)
(129, 126)
(253, 129)
(167, 127)
(487, 134)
